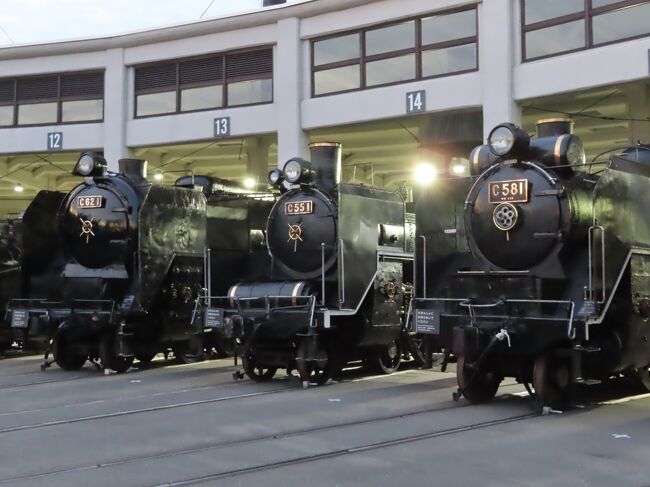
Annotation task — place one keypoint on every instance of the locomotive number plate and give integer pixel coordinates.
(513, 191)
(299, 208)
(90, 201)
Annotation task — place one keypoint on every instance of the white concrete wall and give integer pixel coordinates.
(500, 83)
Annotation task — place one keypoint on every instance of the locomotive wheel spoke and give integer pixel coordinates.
(552, 381)
(478, 386)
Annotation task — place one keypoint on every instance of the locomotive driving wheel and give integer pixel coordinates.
(254, 371)
(552, 381)
(64, 356)
(189, 351)
(477, 385)
(108, 354)
(389, 357)
(317, 371)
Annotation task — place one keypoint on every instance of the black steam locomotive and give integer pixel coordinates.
(550, 285)
(113, 269)
(340, 277)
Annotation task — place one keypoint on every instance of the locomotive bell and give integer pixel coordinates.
(326, 163)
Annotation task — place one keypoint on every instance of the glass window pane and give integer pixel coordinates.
(6, 116)
(619, 24)
(556, 39)
(82, 110)
(390, 70)
(393, 38)
(443, 28)
(156, 103)
(200, 98)
(37, 113)
(336, 49)
(250, 91)
(538, 10)
(337, 79)
(448, 60)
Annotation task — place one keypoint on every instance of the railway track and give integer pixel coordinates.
(251, 442)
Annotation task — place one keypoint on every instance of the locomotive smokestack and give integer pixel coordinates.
(552, 127)
(135, 169)
(326, 161)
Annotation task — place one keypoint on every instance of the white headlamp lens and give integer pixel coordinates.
(292, 171)
(85, 165)
(502, 140)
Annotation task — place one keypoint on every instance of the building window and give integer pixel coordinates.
(424, 47)
(52, 99)
(206, 83)
(554, 27)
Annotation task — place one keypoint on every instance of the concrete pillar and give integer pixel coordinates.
(257, 164)
(498, 38)
(116, 99)
(638, 107)
(287, 91)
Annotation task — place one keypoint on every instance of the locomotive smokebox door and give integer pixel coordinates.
(388, 294)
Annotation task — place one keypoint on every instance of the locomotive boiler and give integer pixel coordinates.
(341, 257)
(551, 286)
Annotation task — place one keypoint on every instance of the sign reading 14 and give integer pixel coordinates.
(416, 101)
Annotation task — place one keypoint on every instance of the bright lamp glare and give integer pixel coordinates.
(18, 188)
(425, 173)
(249, 183)
(458, 169)
(158, 176)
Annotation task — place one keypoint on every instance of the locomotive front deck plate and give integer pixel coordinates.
(90, 201)
(512, 191)
(299, 207)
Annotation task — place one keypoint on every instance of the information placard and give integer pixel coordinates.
(427, 321)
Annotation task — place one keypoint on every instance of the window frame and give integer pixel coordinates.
(223, 82)
(587, 15)
(417, 50)
(58, 99)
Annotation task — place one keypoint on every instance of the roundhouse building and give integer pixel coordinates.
(397, 82)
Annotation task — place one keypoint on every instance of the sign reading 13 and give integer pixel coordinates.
(222, 127)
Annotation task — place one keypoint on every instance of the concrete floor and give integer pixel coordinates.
(191, 424)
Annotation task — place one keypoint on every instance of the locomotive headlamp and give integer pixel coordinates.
(275, 177)
(297, 171)
(508, 140)
(249, 183)
(425, 173)
(89, 164)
